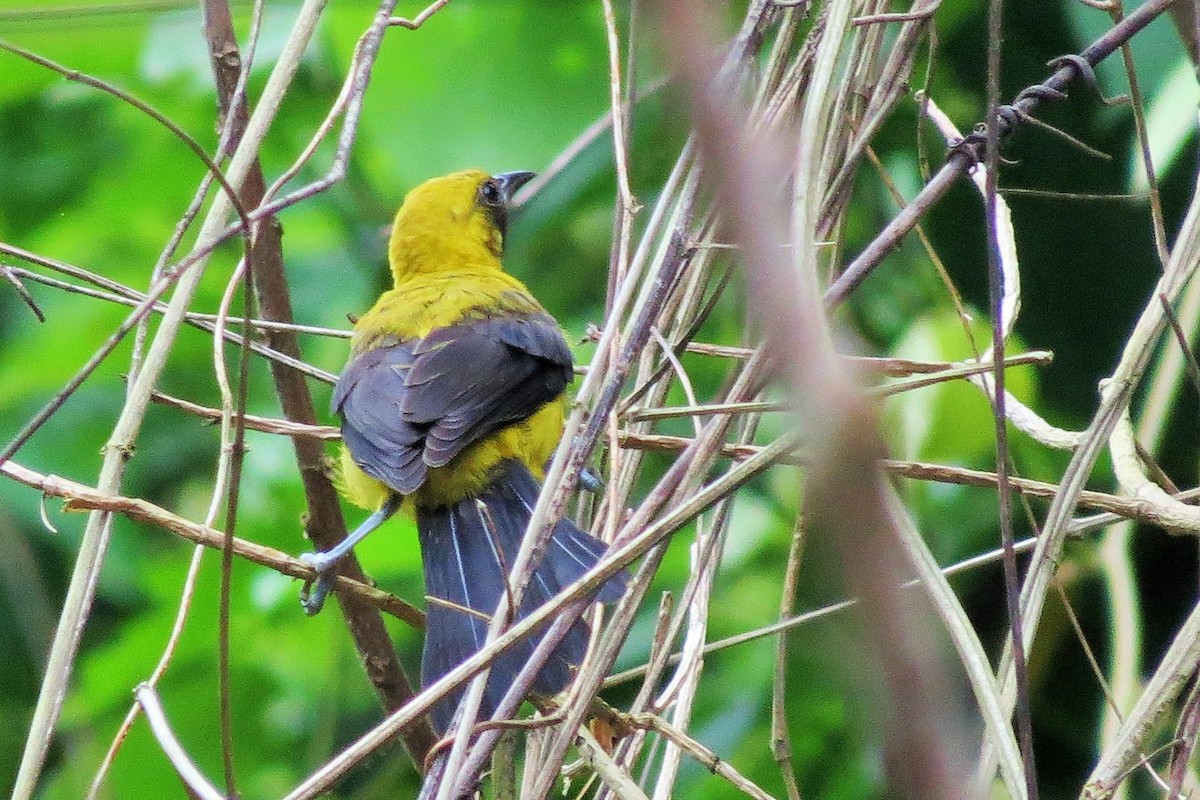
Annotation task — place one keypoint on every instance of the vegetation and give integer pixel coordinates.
(671, 276)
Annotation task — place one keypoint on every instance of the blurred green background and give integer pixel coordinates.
(508, 85)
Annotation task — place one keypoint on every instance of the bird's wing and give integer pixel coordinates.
(408, 406)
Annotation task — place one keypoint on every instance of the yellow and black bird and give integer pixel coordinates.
(453, 399)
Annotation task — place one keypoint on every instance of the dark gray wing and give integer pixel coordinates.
(409, 406)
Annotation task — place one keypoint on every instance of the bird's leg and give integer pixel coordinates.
(326, 562)
(589, 479)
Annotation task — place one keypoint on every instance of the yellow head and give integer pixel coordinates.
(453, 222)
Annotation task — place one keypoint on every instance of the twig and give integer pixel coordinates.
(1002, 283)
(186, 595)
(1181, 339)
(282, 427)
(11, 277)
(609, 771)
(707, 758)
(187, 770)
(1177, 666)
(961, 160)
(781, 740)
(81, 497)
(1186, 733)
(205, 322)
(1173, 516)
(421, 18)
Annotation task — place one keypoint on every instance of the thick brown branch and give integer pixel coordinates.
(324, 524)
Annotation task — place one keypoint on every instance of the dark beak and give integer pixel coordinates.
(510, 182)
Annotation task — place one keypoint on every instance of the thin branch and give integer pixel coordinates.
(10, 275)
(960, 160)
(421, 18)
(187, 770)
(81, 497)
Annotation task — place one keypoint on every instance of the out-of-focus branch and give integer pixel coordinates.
(843, 487)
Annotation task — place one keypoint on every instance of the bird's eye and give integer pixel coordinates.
(490, 193)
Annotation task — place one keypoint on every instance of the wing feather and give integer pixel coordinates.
(407, 406)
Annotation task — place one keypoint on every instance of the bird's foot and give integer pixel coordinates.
(312, 596)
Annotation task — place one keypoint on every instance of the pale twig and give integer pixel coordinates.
(615, 778)
(186, 595)
(680, 692)
(81, 497)
(10, 275)
(781, 740)
(910, 16)
(1158, 225)
(187, 770)
(1181, 338)
(1186, 732)
(1118, 506)
(420, 19)
(1178, 664)
(281, 427)
(1173, 516)
(627, 205)
(707, 758)
(950, 372)
(130, 297)
(225, 484)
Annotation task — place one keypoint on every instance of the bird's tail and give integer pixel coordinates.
(468, 555)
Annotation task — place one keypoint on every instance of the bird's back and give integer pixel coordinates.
(427, 302)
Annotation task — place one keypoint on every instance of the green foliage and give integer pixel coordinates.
(93, 182)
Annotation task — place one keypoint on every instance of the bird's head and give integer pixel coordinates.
(453, 222)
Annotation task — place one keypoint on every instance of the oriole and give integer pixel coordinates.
(452, 399)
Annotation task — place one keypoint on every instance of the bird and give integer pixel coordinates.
(451, 406)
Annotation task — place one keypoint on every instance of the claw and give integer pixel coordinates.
(312, 597)
(590, 481)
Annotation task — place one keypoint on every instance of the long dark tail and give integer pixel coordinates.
(468, 557)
